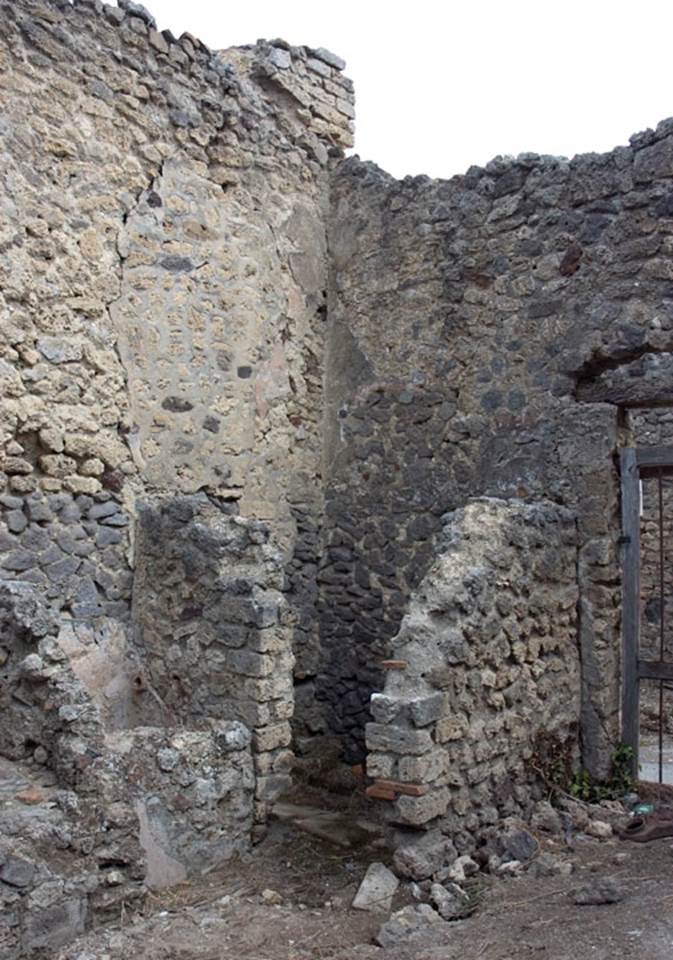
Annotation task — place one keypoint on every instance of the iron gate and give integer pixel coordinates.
(638, 463)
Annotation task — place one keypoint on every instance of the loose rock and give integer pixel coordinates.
(599, 829)
(421, 857)
(377, 890)
(518, 844)
(450, 900)
(271, 896)
(407, 922)
(602, 891)
(546, 818)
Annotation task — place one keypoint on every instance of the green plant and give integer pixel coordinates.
(580, 785)
(619, 782)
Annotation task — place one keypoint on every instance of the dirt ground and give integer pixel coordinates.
(226, 916)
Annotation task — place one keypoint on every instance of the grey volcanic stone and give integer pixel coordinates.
(59, 349)
(381, 737)
(546, 818)
(450, 900)
(16, 521)
(176, 264)
(62, 569)
(100, 510)
(518, 845)
(233, 736)
(176, 404)
(38, 511)
(167, 759)
(106, 536)
(377, 889)
(406, 923)
(69, 513)
(55, 925)
(422, 856)
(19, 560)
(17, 872)
(600, 891)
(280, 58)
(331, 58)
(426, 709)
(116, 520)
(138, 10)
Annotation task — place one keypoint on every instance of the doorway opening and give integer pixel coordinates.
(647, 673)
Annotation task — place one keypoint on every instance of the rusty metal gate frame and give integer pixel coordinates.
(635, 463)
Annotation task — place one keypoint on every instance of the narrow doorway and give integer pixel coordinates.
(647, 557)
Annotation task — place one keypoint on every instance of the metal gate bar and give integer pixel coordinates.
(630, 539)
(660, 503)
(635, 463)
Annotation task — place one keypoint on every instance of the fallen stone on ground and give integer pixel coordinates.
(546, 818)
(576, 811)
(548, 865)
(422, 857)
(599, 829)
(377, 889)
(609, 811)
(451, 900)
(509, 868)
(604, 890)
(516, 843)
(463, 868)
(407, 922)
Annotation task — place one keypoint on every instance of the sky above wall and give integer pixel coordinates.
(443, 85)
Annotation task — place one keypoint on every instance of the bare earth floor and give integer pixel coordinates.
(226, 917)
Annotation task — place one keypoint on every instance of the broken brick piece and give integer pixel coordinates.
(409, 789)
(30, 796)
(394, 664)
(380, 793)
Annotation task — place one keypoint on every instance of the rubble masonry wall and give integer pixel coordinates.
(485, 678)
(486, 334)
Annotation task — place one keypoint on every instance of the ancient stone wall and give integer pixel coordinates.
(162, 305)
(266, 414)
(44, 704)
(212, 633)
(151, 809)
(486, 670)
(206, 313)
(504, 317)
(163, 290)
(92, 814)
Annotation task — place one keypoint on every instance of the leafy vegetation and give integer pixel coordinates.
(617, 784)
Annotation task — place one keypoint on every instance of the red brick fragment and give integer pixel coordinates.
(380, 793)
(409, 789)
(30, 796)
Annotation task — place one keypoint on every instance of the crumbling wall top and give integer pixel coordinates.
(305, 83)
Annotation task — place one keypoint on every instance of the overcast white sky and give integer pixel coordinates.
(440, 86)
